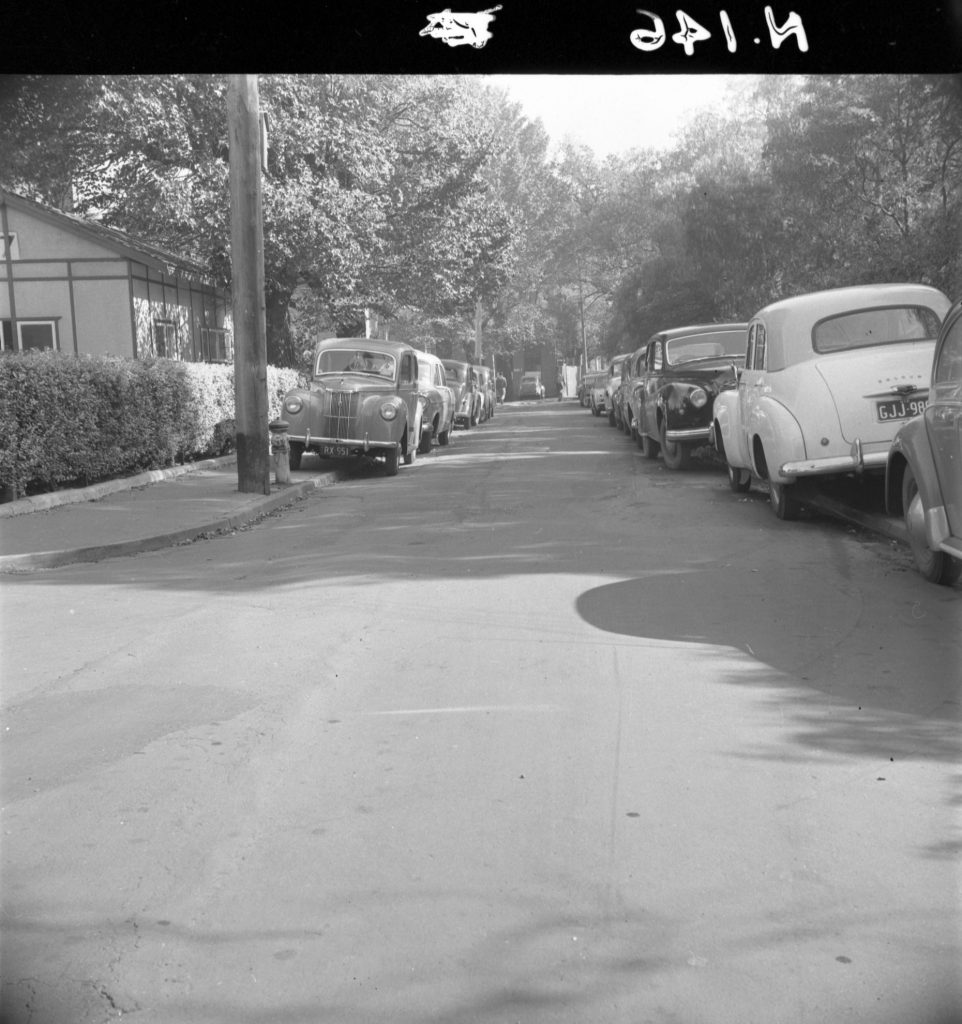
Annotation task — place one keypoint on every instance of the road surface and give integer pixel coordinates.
(536, 731)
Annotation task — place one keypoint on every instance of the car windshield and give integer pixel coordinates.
(355, 360)
(727, 345)
(864, 327)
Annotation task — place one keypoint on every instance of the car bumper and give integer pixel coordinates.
(856, 461)
(702, 434)
(356, 446)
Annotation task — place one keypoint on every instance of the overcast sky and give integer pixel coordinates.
(614, 113)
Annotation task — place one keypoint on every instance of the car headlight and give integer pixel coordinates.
(698, 397)
(293, 404)
(388, 411)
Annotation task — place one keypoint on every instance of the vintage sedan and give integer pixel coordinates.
(674, 386)
(632, 373)
(828, 379)
(923, 476)
(438, 401)
(363, 400)
(531, 386)
(611, 389)
(463, 380)
(486, 383)
(595, 385)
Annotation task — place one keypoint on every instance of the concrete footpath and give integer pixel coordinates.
(141, 513)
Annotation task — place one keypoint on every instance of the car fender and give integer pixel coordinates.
(780, 436)
(729, 431)
(373, 423)
(911, 447)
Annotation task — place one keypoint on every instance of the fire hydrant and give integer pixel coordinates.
(280, 451)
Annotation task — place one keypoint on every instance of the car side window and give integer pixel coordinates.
(948, 370)
(750, 353)
(657, 360)
(408, 369)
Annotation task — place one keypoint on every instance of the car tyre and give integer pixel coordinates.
(739, 480)
(391, 462)
(784, 503)
(427, 439)
(675, 454)
(611, 418)
(444, 438)
(295, 454)
(934, 566)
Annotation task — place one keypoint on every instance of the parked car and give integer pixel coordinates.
(363, 399)
(614, 382)
(923, 475)
(488, 393)
(468, 398)
(632, 372)
(596, 388)
(673, 387)
(438, 398)
(531, 386)
(828, 379)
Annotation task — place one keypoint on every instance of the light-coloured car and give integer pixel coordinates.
(531, 386)
(363, 399)
(469, 401)
(923, 478)
(828, 379)
(438, 401)
(596, 387)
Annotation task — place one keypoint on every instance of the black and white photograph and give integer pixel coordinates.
(481, 517)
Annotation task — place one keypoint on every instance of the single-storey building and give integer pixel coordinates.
(73, 285)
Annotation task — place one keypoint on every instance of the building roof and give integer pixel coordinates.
(125, 245)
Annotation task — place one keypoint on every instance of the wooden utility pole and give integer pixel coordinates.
(251, 413)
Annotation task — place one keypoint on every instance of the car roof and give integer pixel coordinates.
(368, 344)
(788, 322)
(683, 332)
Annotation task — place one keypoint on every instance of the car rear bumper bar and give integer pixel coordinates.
(856, 461)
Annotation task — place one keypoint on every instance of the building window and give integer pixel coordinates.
(9, 243)
(24, 335)
(165, 339)
(215, 345)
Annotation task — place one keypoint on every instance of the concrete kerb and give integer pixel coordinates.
(256, 508)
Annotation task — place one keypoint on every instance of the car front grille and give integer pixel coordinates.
(340, 416)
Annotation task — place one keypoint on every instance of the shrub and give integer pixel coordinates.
(66, 420)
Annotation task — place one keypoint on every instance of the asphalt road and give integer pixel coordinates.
(536, 731)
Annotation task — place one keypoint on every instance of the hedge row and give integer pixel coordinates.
(68, 421)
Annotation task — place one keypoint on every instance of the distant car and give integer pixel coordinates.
(468, 398)
(829, 377)
(438, 399)
(531, 386)
(632, 373)
(363, 399)
(673, 391)
(923, 478)
(611, 389)
(595, 387)
(488, 393)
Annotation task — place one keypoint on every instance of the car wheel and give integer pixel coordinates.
(390, 461)
(675, 454)
(294, 455)
(935, 566)
(739, 480)
(611, 418)
(427, 439)
(444, 438)
(784, 503)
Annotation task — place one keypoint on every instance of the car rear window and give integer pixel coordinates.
(862, 328)
(721, 344)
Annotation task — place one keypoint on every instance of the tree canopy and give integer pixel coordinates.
(422, 200)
